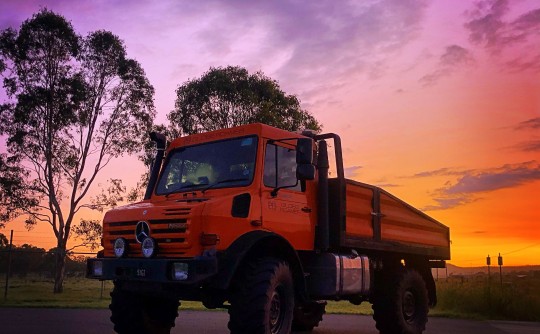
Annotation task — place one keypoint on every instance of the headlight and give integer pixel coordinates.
(120, 247)
(97, 268)
(180, 271)
(148, 247)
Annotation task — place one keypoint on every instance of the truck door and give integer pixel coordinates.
(289, 213)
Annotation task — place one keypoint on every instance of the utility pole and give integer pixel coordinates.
(500, 267)
(8, 271)
(488, 262)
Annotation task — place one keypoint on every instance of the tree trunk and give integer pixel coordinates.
(59, 270)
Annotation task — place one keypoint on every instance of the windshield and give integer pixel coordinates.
(226, 163)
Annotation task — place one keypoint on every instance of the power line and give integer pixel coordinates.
(510, 252)
(520, 249)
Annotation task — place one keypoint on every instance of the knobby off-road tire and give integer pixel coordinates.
(135, 314)
(401, 303)
(262, 301)
(307, 317)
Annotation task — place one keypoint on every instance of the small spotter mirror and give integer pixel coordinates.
(304, 151)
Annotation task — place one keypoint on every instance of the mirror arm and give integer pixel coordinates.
(274, 192)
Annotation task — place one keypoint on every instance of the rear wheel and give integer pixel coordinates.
(308, 316)
(136, 314)
(401, 303)
(263, 299)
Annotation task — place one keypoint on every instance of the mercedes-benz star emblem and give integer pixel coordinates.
(142, 231)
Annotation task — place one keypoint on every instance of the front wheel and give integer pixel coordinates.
(132, 313)
(401, 303)
(263, 299)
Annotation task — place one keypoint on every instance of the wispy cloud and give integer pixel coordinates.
(520, 64)
(486, 23)
(352, 171)
(532, 145)
(440, 172)
(533, 123)
(453, 58)
(387, 185)
(490, 27)
(507, 176)
(472, 183)
(528, 146)
(338, 41)
(447, 202)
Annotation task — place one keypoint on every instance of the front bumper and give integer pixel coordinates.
(197, 269)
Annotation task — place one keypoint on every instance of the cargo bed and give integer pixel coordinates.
(369, 219)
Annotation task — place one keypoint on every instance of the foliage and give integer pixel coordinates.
(109, 197)
(89, 232)
(4, 242)
(518, 298)
(14, 198)
(230, 96)
(27, 259)
(74, 103)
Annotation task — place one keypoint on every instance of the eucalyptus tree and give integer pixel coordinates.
(230, 96)
(73, 104)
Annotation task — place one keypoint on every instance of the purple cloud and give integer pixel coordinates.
(533, 123)
(352, 171)
(486, 22)
(529, 146)
(526, 24)
(443, 203)
(507, 176)
(311, 47)
(387, 185)
(442, 172)
(471, 183)
(453, 58)
(489, 26)
(327, 39)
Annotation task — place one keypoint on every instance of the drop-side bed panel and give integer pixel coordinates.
(377, 220)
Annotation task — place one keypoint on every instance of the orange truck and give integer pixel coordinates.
(249, 219)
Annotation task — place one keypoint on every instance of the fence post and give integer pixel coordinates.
(8, 270)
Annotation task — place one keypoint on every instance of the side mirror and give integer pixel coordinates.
(304, 151)
(305, 172)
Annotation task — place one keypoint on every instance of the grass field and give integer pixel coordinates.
(517, 298)
(464, 297)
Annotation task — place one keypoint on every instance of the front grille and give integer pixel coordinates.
(177, 212)
(171, 234)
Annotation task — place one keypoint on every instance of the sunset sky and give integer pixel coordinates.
(437, 102)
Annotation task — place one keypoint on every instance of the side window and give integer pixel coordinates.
(280, 167)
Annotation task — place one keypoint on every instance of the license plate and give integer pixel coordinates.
(141, 272)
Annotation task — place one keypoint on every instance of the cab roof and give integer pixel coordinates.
(259, 129)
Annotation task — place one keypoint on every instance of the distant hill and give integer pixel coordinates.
(468, 271)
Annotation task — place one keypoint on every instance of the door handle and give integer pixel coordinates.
(306, 209)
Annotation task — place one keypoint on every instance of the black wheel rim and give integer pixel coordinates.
(276, 311)
(409, 306)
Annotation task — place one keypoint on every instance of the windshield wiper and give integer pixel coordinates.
(186, 186)
(222, 181)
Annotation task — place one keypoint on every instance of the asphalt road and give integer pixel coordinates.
(68, 321)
